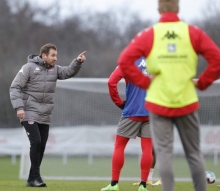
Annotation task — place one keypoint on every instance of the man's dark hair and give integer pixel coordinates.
(46, 48)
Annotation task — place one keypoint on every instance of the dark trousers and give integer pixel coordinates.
(38, 135)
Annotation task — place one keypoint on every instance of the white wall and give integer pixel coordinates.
(98, 140)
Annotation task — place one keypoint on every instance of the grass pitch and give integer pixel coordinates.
(9, 182)
(19, 185)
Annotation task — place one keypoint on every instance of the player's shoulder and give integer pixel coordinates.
(30, 65)
(118, 70)
(196, 32)
(24, 68)
(195, 28)
(144, 32)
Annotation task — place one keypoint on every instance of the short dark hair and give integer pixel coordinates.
(46, 48)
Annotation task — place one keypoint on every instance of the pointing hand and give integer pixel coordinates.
(81, 57)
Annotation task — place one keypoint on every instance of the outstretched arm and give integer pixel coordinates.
(65, 72)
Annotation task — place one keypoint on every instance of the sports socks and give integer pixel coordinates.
(150, 176)
(146, 158)
(118, 156)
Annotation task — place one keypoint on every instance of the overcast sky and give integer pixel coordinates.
(189, 9)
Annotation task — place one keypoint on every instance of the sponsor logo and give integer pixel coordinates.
(31, 122)
(51, 69)
(171, 47)
(171, 35)
(145, 72)
(37, 70)
(142, 63)
(172, 57)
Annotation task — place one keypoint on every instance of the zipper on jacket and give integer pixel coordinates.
(45, 80)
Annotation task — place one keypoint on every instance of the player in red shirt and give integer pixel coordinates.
(134, 122)
(163, 117)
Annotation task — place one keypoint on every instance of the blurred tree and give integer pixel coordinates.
(25, 28)
(211, 25)
(20, 35)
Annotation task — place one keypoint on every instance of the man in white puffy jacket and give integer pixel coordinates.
(32, 96)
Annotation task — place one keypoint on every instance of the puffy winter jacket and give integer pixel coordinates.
(34, 86)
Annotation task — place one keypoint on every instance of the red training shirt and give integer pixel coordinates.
(142, 44)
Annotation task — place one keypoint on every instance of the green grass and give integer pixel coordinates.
(9, 180)
(79, 166)
(19, 185)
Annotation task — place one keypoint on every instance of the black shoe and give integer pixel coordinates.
(36, 183)
(39, 183)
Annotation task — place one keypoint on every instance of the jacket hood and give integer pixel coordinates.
(35, 58)
(38, 60)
